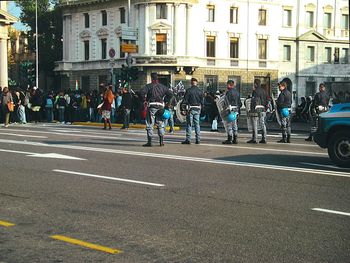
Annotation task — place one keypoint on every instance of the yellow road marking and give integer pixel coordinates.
(86, 244)
(6, 224)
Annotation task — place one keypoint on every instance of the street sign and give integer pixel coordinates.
(129, 33)
(129, 48)
(111, 52)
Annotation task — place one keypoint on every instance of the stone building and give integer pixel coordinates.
(314, 45)
(6, 20)
(212, 40)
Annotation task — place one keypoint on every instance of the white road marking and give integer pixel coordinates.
(186, 158)
(327, 166)
(110, 137)
(23, 135)
(45, 155)
(109, 178)
(330, 211)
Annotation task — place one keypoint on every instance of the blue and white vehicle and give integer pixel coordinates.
(333, 133)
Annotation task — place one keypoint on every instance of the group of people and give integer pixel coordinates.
(33, 105)
(157, 95)
(151, 103)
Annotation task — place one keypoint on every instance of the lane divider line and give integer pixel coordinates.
(330, 211)
(86, 244)
(6, 224)
(186, 158)
(109, 178)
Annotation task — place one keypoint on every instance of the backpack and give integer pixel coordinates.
(49, 103)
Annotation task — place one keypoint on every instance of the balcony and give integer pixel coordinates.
(168, 61)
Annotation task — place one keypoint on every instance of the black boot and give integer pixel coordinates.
(288, 138)
(228, 141)
(252, 141)
(234, 141)
(161, 141)
(309, 139)
(283, 140)
(149, 143)
(263, 140)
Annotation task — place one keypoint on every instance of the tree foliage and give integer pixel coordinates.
(49, 30)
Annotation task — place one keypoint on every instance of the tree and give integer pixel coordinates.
(49, 31)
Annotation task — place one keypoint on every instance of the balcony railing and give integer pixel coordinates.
(174, 61)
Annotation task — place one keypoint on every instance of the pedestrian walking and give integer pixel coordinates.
(259, 104)
(320, 104)
(284, 103)
(234, 104)
(154, 94)
(193, 102)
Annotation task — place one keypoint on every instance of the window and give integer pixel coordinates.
(328, 55)
(287, 18)
(211, 83)
(122, 15)
(104, 17)
(234, 47)
(162, 11)
(345, 21)
(211, 46)
(310, 54)
(262, 48)
(234, 15)
(211, 13)
(103, 48)
(336, 55)
(85, 83)
(262, 17)
(161, 44)
(86, 20)
(309, 19)
(286, 53)
(86, 50)
(327, 21)
(345, 55)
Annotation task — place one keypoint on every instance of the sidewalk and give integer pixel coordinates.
(242, 125)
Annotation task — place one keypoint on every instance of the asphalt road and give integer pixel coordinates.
(61, 185)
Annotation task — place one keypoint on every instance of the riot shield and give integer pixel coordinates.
(179, 113)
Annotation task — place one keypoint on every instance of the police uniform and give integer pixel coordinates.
(284, 100)
(193, 101)
(233, 99)
(259, 106)
(154, 94)
(319, 105)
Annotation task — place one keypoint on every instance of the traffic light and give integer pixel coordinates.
(31, 73)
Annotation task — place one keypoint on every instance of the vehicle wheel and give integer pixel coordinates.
(339, 148)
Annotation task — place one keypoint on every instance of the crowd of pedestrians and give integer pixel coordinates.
(35, 105)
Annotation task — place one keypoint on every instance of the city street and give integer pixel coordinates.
(82, 194)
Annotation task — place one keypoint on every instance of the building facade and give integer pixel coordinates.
(212, 40)
(314, 46)
(6, 20)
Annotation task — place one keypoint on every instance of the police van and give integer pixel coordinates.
(333, 133)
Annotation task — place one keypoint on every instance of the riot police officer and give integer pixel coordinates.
(284, 103)
(233, 100)
(258, 105)
(154, 94)
(192, 102)
(319, 105)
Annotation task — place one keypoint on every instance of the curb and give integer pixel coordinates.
(118, 125)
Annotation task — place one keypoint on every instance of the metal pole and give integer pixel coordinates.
(129, 11)
(36, 46)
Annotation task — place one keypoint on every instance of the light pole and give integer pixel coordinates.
(36, 46)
